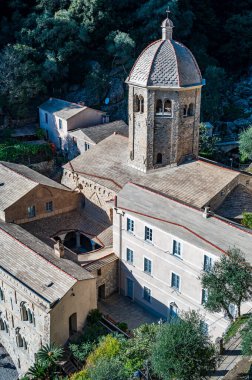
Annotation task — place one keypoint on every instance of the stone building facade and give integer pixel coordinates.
(44, 298)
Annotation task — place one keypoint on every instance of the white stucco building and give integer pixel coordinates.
(163, 247)
(57, 117)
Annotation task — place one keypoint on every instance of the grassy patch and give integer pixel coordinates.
(235, 326)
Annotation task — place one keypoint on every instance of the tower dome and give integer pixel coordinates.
(165, 63)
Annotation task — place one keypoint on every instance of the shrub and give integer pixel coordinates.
(247, 219)
(94, 316)
(122, 326)
(109, 347)
(82, 350)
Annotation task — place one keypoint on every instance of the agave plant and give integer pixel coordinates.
(39, 371)
(50, 354)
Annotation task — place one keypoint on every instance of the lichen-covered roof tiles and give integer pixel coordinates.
(17, 180)
(33, 262)
(97, 133)
(165, 63)
(194, 183)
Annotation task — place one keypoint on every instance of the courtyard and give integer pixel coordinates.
(123, 309)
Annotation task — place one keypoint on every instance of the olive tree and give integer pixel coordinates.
(228, 282)
(183, 350)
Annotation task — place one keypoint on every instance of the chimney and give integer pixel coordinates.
(59, 249)
(206, 214)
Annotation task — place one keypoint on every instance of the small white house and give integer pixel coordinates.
(57, 117)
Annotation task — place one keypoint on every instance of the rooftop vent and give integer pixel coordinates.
(1, 183)
(50, 284)
(207, 212)
(59, 249)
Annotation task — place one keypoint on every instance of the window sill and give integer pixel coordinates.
(164, 116)
(130, 232)
(148, 274)
(177, 256)
(176, 290)
(149, 242)
(129, 263)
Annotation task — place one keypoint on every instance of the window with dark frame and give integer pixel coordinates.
(147, 294)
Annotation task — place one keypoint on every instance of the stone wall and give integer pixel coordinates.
(35, 334)
(107, 275)
(97, 198)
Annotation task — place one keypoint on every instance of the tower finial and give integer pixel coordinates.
(167, 26)
(168, 11)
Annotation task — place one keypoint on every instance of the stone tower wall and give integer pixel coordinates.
(188, 127)
(176, 137)
(138, 141)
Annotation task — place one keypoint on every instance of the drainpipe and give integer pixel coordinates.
(120, 214)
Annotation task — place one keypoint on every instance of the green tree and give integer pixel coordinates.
(110, 369)
(120, 45)
(137, 351)
(182, 349)
(20, 79)
(229, 282)
(247, 219)
(246, 335)
(245, 144)
(214, 93)
(207, 144)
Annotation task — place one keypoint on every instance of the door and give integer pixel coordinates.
(130, 289)
(101, 292)
(72, 324)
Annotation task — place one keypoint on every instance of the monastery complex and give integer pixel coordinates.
(137, 211)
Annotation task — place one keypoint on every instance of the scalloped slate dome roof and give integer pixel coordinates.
(165, 63)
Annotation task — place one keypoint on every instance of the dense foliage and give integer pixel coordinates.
(245, 144)
(154, 349)
(74, 48)
(247, 338)
(228, 282)
(182, 350)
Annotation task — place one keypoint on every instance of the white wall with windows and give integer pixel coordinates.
(161, 271)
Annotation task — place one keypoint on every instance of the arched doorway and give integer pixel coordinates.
(72, 324)
(159, 158)
(70, 240)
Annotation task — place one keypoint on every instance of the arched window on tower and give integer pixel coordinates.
(1, 295)
(30, 316)
(23, 311)
(167, 107)
(191, 109)
(185, 109)
(1, 324)
(136, 103)
(19, 339)
(159, 158)
(159, 107)
(141, 100)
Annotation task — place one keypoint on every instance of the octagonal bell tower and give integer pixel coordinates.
(164, 104)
